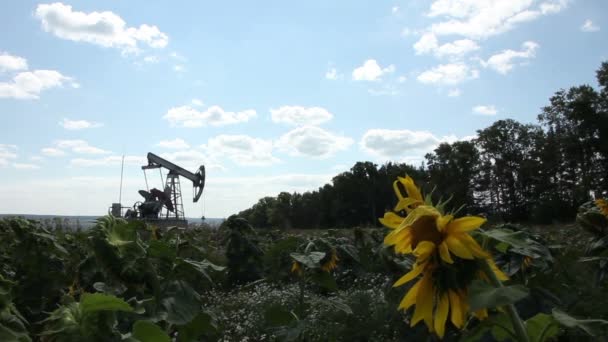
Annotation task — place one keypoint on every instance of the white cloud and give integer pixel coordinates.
(401, 79)
(25, 166)
(457, 48)
(312, 141)
(476, 19)
(589, 26)
(12, 63)
(193, 158)
(448, 74)
(179, 68)
(241, 149)
(78, 124)
(332, 74)
(197, 102)
(426, 44)
(36, 158)
(371, 71)
(108, 161)
(7, 152)
(29, 84)
(151, 59)
(78, 146)
(100, 28)
(395, 9)
(297, 115)
(454, 92)
(485, 110)
(503, 62)
(387, 143)
(177, 144)
(186, 116)
(52, 152)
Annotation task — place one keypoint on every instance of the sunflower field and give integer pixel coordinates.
(430, 274)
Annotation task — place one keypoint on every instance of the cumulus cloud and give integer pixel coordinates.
(108, 161)
(186, 116)
(12, 63)
(75, 146)
(485, 110)
(78, 124)
(29, 84)
(312, 141)
(197, 102)
(448, 74)
(332, 74)
(588, 26)
(105, 28)
(241, 149)
(481, 19)
(25, 166)
(7, 152)
(504, 61)
(52, 152)
(428, 44)
(388, 143)
(297, 115)
(176, 144)
(371, 71)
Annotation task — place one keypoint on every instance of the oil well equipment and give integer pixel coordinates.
(162, 207)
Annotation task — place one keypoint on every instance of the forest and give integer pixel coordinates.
(511, 172)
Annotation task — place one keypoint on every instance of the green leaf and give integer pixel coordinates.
(325, 280)
(498, 325)
(203, 323)
(587, 325)
(541, 327)
(311, 260)
(180, 302)
(482, 295)
(93, 302)
(161, 250)
(146, 331)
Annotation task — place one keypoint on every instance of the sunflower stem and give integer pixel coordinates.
(518, 324)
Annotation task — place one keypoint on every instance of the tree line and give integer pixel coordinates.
(510, 172)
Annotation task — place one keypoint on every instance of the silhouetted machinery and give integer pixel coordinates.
(164, 207)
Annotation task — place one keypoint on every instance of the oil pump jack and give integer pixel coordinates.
(163, 207)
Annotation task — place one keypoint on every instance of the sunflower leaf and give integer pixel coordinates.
(587, 325)
(482, 295)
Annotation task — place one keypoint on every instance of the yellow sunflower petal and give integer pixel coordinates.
(456, 309)
(424, 249)
(410, 297)
(396, 236)
(444, 252)
(397, 191)
(441, 314)
(411, 188)
(405, 203)
(481, 314)
(458, 248)
(465, 224)
(391, 220)
(418, 268)
(442, 222)
(473, 246)
(499, 273)
(424, 302)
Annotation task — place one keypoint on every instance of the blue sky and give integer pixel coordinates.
(270, 96)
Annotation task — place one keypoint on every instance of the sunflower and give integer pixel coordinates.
(602, 204)
(330, 261)
(296, 268)
(445, 259)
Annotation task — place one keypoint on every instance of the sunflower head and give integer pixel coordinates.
(602, 204)
(446, 259)
(330, 261)
(296, 268)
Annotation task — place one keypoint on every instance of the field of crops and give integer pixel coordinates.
(427, 275)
